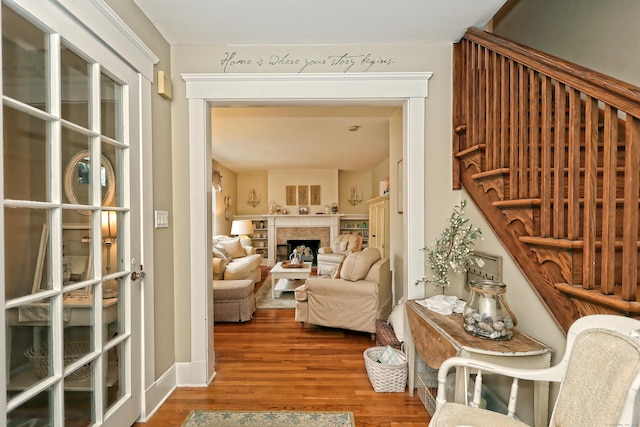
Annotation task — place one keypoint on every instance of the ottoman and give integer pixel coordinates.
(233, 300)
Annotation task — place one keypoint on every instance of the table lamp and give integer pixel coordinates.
(109, 233)
(242, 228)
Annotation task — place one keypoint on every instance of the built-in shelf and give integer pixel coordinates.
(356, 224)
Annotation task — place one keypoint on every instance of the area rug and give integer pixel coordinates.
(275, 419)
(282, 299)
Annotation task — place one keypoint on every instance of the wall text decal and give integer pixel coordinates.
(342, 62)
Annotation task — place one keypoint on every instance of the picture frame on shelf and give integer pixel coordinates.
(303, 210)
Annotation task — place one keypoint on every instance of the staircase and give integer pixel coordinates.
(550, 153)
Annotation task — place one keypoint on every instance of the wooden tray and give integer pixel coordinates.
(287, 264)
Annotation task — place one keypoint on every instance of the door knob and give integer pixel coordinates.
(139, 275)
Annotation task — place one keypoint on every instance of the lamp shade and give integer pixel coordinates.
(109, 224)
(242, 227)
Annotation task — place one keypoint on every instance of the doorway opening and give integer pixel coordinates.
(206, 91)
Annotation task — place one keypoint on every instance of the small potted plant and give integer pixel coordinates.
(453, 251)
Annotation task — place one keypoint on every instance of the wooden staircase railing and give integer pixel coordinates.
(550, 153)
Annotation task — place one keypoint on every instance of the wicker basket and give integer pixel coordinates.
(72, 352)
(428, 389)
(385, 378)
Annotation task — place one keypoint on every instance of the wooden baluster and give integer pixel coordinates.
(573, 195)
(559, 156)
(504, 113)
(609, 199)
(545, 192)
(523, 147)
(631, 189)
(514, 167)
(493, 155)
(457, 111)
(534, 134)
(590, 193)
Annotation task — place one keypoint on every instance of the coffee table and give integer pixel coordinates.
(286, 277)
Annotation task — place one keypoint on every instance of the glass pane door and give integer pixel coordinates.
(67, 223)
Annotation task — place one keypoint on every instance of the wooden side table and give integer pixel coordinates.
(437, 337)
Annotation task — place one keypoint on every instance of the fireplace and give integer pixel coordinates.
(311, 244)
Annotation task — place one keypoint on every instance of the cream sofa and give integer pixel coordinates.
(354, 301)
(232, 261)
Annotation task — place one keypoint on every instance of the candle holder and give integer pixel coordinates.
(487, 314)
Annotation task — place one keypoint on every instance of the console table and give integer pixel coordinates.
(437, 337)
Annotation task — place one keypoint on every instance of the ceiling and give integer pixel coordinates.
(310, 136)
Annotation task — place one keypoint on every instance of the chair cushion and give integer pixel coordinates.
(456, 414)
(233, 247)
(356, 265)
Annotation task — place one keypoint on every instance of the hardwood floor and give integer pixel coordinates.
(272, 363)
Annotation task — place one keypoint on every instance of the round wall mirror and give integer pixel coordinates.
(77, 179)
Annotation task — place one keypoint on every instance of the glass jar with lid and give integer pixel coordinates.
(487, 314)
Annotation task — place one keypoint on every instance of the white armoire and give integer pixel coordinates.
(379, 224)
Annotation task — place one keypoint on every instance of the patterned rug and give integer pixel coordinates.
(282, 299)
(275, 419)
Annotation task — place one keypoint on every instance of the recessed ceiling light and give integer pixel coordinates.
(354, 128)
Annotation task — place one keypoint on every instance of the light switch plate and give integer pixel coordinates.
(491, 270)
(162, 219)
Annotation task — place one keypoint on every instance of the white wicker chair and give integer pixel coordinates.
(599, 375)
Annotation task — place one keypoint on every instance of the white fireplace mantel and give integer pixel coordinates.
(292, 221)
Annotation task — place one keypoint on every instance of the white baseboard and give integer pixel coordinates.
(157, 393)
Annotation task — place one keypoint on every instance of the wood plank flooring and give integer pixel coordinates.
(272, 363)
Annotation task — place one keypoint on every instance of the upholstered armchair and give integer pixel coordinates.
(353, 301)
(341, 246)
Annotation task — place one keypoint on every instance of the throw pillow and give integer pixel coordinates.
(233, 247)
(357, 264)
(220, 252)
(396, 320)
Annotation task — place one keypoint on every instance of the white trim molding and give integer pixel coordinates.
(204, 91)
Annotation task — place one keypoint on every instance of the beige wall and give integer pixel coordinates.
(271, 187)
(601, 35)
(439, 198)
(222, 225)
(163, 189)
(279, 179)
(362, 181)
(258, 181)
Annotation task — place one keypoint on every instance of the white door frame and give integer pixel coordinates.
(207, 90)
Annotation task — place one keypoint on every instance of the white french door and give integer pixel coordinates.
(71, 222)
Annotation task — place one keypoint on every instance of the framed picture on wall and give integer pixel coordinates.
(291, 195)
(315, 195)
(303, 194)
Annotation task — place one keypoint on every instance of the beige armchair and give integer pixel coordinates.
(599, 378)
(341, 246)
(354, 301)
